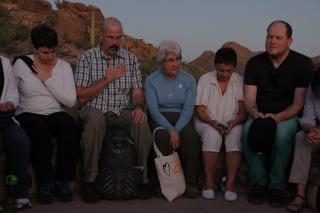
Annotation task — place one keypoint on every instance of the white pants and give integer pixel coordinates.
(212, 140)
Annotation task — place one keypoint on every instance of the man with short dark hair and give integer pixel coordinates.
(275, 84)
(108, 80)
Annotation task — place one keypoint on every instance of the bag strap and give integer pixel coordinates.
(1, 78)
(155, 147)
(27, 60)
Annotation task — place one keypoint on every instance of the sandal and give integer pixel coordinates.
(297, 204)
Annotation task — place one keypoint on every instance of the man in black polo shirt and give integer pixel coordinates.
(275, 84)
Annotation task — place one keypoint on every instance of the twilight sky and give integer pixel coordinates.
(200, 25)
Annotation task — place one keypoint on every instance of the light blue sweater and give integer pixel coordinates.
(170, 95)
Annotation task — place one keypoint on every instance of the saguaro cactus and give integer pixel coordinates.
(92, 30)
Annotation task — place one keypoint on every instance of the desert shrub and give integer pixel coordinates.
(7, 32)
(52, 19)
(59, 3)
(6, 36)
(147, 67)
(4, 12)
(66, 39)
(22, 32)
(83, 44)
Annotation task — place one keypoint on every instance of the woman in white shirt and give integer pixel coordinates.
(44, 89)
(220, 114)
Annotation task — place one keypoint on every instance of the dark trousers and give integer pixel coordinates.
(14, 142)
(41, 129)
(189, 146)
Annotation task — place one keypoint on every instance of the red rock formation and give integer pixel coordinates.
(141, 49)
(243, 55)
(71, 20)
(204, 61)
(74, 19)
(36, 6)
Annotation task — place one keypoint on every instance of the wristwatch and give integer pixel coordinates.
(142, 106)
(134, 106)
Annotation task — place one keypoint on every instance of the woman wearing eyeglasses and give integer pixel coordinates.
(170, 95)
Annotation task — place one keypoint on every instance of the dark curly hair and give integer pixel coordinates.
(44, 36)
(226, 55)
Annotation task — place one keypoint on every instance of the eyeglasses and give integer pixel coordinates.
(114, 38)
(172, 60)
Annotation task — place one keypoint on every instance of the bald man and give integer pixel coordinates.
(109, 81)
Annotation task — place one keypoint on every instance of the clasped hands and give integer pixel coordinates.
(223, 129)
(313, 135)
(275, 117)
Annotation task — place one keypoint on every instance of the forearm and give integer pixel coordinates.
(86, 94)
(11, 92)
(290, 112)
(241, 115)
(138, 99)
(295, 108)
(240, 119)
(159, 119)
(188, 107)
(62, 89)
(205, 119)
(250, 104)
(13, 97)
(252, 109)
(184, 119)
(203, 115)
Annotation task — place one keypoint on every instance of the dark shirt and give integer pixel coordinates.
(276, 86)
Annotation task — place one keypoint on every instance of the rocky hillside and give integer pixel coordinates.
(72, 21)
(243, 55)
(204, 63)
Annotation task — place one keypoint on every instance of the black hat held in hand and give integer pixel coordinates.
(262, 135)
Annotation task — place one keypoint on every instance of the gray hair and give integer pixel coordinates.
(110, 21)
(166, 47)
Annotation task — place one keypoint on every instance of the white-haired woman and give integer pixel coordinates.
(170, 95)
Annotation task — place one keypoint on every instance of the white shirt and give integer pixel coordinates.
(10, 91)
(45, 97)
(219, 107)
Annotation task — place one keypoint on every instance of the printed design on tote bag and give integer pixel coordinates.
(166, 168)
(175, 167)
(177, 170)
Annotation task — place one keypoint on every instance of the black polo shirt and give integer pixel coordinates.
(276, 87)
